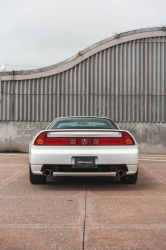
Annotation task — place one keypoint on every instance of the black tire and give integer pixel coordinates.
(36, 179)
(129, 179)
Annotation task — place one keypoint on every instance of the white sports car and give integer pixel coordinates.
(83, 146)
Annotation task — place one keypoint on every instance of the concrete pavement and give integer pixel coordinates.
(82, 213)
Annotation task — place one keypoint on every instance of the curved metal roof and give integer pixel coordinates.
(82, 55)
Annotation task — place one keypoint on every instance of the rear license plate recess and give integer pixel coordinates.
(84, 162)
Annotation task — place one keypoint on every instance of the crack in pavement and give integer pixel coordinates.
(83, 243)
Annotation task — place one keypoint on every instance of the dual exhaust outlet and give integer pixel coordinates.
(47, 172)
(120, 173)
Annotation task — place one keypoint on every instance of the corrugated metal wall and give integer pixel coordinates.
(126, 82)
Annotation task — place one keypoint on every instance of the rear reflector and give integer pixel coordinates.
(43, 140)
(73, 141)
(96, 141)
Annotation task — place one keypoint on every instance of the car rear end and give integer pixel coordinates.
(84, 152)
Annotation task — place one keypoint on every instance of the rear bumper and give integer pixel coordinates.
(88, 174)
(64, 155)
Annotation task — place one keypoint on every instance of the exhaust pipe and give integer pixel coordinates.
(47, 172)
(120, 173)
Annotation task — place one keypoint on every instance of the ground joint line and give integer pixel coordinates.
(150, 171)
(12, 178)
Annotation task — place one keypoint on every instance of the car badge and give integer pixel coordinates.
(84, 141)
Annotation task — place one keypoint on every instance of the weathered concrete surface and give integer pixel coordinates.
(15, 136)
(151, 137)
(82, 213)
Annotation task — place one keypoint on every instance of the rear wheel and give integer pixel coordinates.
(36, 179)
(129, 179)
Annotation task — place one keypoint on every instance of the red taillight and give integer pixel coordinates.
(108, 141)
(60, 141)
(128, 139)
(42, 139)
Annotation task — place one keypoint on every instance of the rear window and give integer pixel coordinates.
(83, 123)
